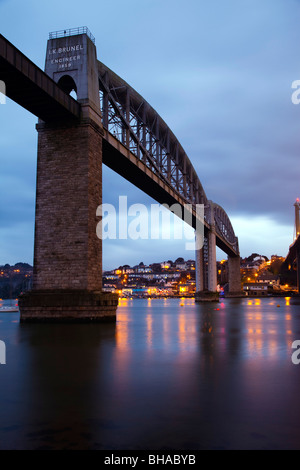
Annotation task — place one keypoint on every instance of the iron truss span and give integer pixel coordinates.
(223, 226)
(133, 127)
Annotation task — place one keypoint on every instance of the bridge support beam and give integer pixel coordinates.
(234, 277)
(298, 269)
(199, 270)
(209, 294)
(212, 261)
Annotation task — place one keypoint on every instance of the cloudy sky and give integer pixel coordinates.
(219, 73)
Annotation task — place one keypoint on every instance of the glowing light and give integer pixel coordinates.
(149, 321)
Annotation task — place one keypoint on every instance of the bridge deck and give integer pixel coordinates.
(293, 250)
(30, 87)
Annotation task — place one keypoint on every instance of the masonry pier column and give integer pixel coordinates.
(67, 278)
(298, 270)
(199, 266)
(199, 270)
(212, 261)
(234, 277)
(209, 294)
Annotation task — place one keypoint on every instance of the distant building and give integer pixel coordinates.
(267, 276)
(181, 265)
(186, 289)
(166, 265)
(144, 269)
(256, 289)
(190, 264)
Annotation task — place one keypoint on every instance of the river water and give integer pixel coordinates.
(169, 375)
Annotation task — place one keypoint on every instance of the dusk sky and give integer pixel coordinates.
(219, 73)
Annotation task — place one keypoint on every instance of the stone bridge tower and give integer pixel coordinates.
(67, 279)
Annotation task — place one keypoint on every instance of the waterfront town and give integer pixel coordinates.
(260, 276)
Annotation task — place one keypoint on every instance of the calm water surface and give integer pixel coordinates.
(170, 374)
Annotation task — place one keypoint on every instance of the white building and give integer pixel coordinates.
(256, 288)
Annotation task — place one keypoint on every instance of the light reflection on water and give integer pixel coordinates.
(255, 321)
(169, 374)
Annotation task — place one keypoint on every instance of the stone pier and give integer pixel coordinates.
(234, 277)
(298, 269)
(67, 278)
(207, 293)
